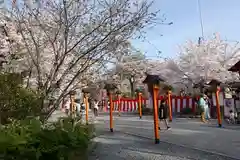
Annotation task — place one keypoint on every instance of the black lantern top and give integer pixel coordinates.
(167, 87)
(201, 84)
(214, 82)
(110, 87)
(72, 92)
(235, 84)
(118, 92)
(214, 85)
(24, 73)
(90, 89)
(195, 85)
(86, 90)
(235, 67)
(138, 90)
(153, 79)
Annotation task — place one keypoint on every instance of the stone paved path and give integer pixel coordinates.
(118, 146)
(190, 133)
(121, 146)
(60, 114)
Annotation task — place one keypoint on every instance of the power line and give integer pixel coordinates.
(155, 47)
(200, 17)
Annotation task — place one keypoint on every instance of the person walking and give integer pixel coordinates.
(67, 105)
(163, 110)
(108, 105)
(95, 107)
(201, 105)
(232, 118)
(78, 107)
(206, 108)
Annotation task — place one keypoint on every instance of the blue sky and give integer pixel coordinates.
(222, 16)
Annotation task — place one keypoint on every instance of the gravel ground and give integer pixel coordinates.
(121, 146)
(187, 133)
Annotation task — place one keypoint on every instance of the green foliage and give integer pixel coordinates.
(199, 110)
(118, 92)
(139, 90)
(167, 87)
(126, 94)
(16, 101)
(186, 111)
(30, 140)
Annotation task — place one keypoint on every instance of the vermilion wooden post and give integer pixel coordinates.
(140, 104)
(111, 112)
(170, 106)
(86, 108)
(72, 106)
(119, 105)
(218, 107)
(153, 82)
(155, 109)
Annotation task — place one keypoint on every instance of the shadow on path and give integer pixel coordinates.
(120, 146)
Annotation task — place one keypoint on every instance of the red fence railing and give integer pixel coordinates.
(131, 105)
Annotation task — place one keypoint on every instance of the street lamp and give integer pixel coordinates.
(215, 84)
(118, 93)
(72, 99)
(2, 60)
(139, 95)
(168, 89)
(153, 82)
(110, 87)
(86, 92)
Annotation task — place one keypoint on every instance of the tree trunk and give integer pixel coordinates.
(132, 89)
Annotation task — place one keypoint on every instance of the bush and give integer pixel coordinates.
(16, 101)
(30, 140)
(126, 94)
(199, 110)
(186, 111)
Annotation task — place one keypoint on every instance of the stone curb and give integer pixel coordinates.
(146, 114)
(92, 146)
(187, 116)
(184, 146)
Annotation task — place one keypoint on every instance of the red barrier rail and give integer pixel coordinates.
(131, 105)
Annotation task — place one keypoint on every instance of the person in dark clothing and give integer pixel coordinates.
(162, 113)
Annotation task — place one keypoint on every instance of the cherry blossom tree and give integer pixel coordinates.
(134, 66)
(209, 60)
(131, 67)
(11, 47)
(66, 43)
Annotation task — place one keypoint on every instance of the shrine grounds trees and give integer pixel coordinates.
(52, 50)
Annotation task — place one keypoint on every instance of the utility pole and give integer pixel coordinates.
(201, 23)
